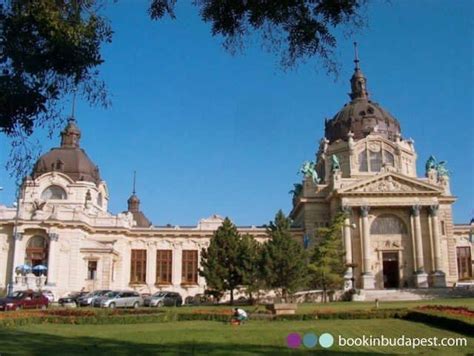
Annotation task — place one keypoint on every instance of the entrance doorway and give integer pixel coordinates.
(391, 277)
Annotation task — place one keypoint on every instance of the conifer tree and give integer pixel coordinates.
(220, 262)
(284, 259)
(250, 264)
(327, 265)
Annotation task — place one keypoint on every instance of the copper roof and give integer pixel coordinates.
(361, 116)
(69, 158)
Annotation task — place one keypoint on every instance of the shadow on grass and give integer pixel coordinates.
(13, 342)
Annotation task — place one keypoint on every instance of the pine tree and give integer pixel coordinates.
(250, 264)
(284, 259)
(327, 265)
(220, 263)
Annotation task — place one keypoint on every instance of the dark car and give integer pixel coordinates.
(88, 299)
(24, 300)
(164, 298)
(71, 298)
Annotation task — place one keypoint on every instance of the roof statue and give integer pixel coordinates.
(308, 169)
(335, 165)
(298, 187)
(439, 167)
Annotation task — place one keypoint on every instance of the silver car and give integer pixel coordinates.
(122, 299)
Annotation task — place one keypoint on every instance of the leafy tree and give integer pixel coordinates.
(327, 264)
(284, 259)
(298, 29)
(220, 261)
(48, 49)
(250, 264)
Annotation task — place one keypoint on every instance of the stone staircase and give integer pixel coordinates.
(412, 294)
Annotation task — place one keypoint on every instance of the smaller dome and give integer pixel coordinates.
(134, 208)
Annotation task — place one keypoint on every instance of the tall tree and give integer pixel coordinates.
(284, 259)
(220, 263)
(296, 29)
(327, 264)
(250, 264)
(48, 49)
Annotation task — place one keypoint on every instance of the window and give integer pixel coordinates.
(99, 199)
(388, 225)
(363, 166)
(138, 266)
(92, 270)
(388, 158)
(190, 267)
(37, 251)
(443, 228)
(164, 263)
(375, 161)
(464, 262)
(54, 192)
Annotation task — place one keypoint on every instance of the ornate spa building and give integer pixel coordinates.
(399, 230)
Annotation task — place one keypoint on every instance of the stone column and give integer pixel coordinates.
(150, 266)
(438, 276)
(52, 254)
(176, 267)
(16, 260)
(421, 278)
(348, 275)
(368, 281)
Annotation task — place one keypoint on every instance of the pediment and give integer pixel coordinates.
(391, 183)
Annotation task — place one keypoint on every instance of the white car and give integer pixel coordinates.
(48, 294)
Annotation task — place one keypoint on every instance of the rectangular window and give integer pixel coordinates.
(443, 228)
(164, 264)
(138, 267)
(91, 270)
(464, 262)
(189, 271)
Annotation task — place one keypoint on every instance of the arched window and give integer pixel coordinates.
(54, 192)
(99, 199)
(388, 158)
(388, 225)
(375, 161)
(37, 251)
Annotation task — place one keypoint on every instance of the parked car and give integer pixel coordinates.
(48, 294)
(71, 299)
(122, 299)
(164, 298)
(198, 299)
(24, 300)
(87, 299)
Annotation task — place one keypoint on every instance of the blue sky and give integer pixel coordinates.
(208, 132)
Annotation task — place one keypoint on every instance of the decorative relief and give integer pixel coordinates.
(374, 147)
(389, 185)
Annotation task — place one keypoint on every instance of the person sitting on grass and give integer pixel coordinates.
(240, 316)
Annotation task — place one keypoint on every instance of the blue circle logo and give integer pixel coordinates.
(310, 340)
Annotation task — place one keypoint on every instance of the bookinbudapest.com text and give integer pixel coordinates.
(401, 341)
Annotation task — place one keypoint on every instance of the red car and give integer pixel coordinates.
(24, 300)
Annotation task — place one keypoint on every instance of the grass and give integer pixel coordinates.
(218, 338)
(340, 306)
(207, 337)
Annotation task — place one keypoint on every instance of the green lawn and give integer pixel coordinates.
(209, 337)
(343, 306)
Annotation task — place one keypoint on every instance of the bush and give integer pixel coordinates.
(441, 321)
